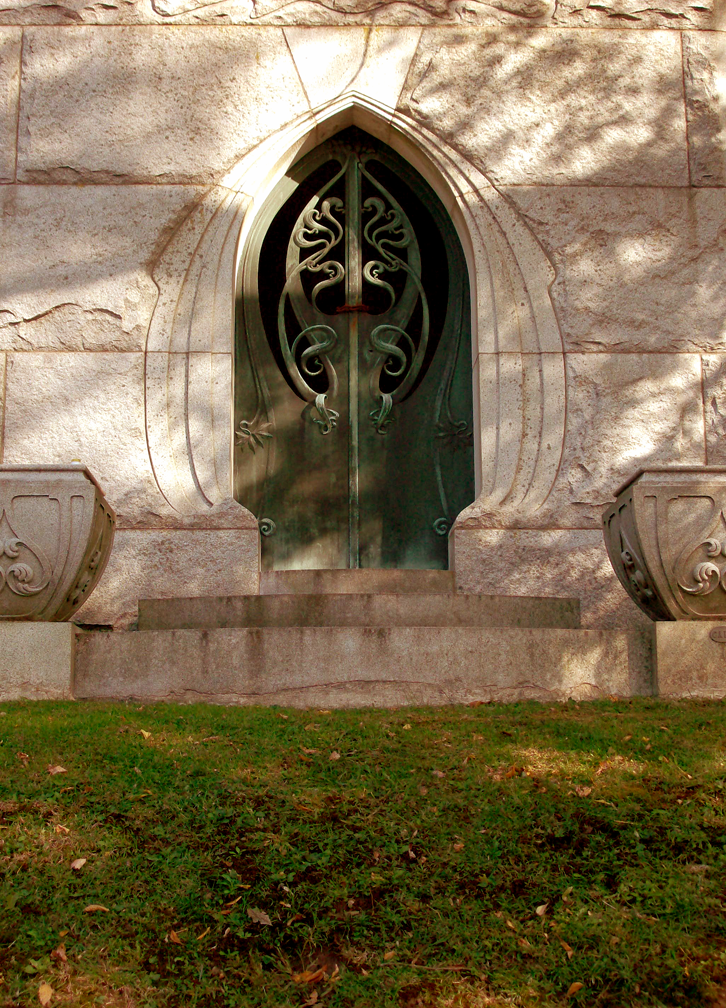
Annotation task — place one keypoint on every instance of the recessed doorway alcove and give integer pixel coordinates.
(353, 365)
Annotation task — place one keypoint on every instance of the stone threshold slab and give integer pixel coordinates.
(446, 609)
(365, 581)
(353, 666)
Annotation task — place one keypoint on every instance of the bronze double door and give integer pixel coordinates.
(353, 386)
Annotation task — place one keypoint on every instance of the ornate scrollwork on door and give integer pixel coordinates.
(355, 328)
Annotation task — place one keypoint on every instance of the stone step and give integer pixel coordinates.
(364, 581)
(353, 666)
(412, 610)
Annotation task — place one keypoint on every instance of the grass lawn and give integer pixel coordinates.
(453, 857)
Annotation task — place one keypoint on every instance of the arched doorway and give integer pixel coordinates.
(353, 368)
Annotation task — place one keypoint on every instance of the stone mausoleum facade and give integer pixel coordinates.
(578, 150)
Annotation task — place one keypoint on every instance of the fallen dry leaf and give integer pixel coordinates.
(523, 943)
(582, 791)
(59, 954)
(438, 773)
(309, 976)
(458, 846)
(574, 988)
(312, 1000)
(406, 727)
(146, 734)
(310, 752)
(23, 757)
(627, 738)
(61, 829)
(335, 755)
(45, 993)
(174, 937)
(389, 955)
(78, 863)
(542, 909)
(53, 770)
(568, 949)
(93, 907)
(258, 916)
(512, 925)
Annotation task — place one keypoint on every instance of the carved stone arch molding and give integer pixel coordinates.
(519, 371)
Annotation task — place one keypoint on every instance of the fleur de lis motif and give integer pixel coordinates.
(252, 434)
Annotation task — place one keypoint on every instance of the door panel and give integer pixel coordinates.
(353, 404)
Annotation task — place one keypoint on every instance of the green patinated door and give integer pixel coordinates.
(353, 385)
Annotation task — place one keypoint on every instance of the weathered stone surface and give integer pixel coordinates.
(333, 60)
(78, 275)
(637, 268)
(36, 661)
(56, 531)
(688, 662)
(555, 106)
(445, 609)
(87, 406)
(119, 104)
(598, 13)
(665, 534)
(714, 407)
(9, 88)
(166, 563)
(570, 562)
(704, 66)
(360, 580)
(637, 14)
(345, 667)
(623, 411)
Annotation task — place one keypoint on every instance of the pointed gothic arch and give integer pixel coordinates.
(518, 354)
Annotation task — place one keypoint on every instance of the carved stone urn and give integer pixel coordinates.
(56, 532)
(666, 539)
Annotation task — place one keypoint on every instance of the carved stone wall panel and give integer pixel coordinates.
(704, 65)
(499, 98)
(77, 275)
(9, 89)
(56, 532)
(188, 360)
(374, 62)
(638, 268)
(666, 538)
(714, 407)
(93, 110)
(510, 277)
(87, 406)
(630, 14)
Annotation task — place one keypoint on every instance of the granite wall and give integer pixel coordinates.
(595, 131)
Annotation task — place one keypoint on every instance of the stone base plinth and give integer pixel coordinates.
(688, 662)
(354, 666)
(36, 661)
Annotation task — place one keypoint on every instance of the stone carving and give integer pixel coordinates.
(56, 532)
(342, 11)
(520, 370)
(666, 538)
(28, 571)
